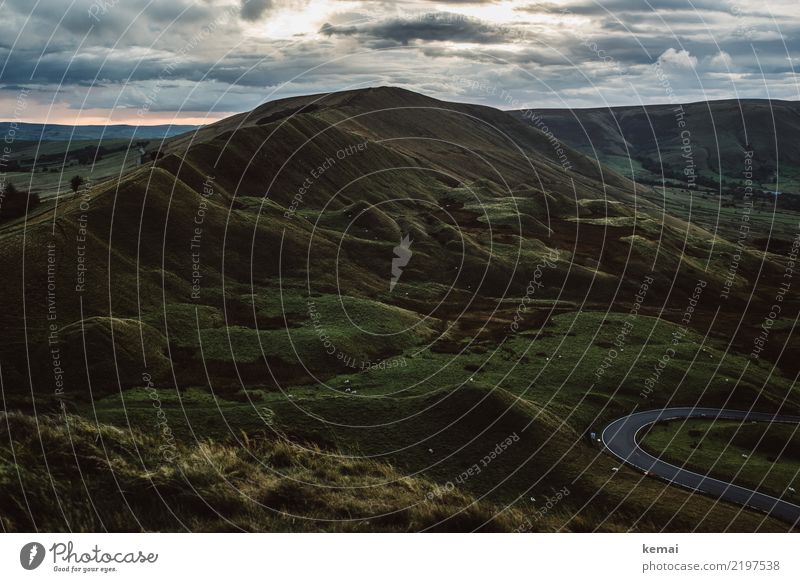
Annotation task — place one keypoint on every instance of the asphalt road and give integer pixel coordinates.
(620, 439)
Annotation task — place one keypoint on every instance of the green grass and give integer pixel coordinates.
(539, 384)
(448, 378)
(715, 214)
(760, 456)
(554, 366)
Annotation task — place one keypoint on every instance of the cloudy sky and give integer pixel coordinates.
(195, 61)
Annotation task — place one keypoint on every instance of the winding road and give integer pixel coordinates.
(620, 439)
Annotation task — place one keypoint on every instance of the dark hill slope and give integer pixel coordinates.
(490, 168)
(468, 141)
(254, 218)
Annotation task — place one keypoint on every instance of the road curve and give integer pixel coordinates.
(620, 439)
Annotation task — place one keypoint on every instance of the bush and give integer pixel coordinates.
(14, 203)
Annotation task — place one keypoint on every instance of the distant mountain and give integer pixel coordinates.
(56, 132)
(710, 138)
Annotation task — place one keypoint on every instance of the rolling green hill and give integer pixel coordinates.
(251, 287)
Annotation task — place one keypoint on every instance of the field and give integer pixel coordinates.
(758, 456)
(539, 385)
(51, 178)
(725, 215)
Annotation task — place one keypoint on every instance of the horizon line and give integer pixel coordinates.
(500, 108)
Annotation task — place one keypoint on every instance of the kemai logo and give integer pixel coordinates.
(402, 256)
(31, 555)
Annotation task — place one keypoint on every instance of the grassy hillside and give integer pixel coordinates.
(757, 455)
(250, 288)
(265, 484)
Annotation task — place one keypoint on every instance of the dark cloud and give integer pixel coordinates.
(602, 7)
(439, 26)
(255, 9)
(52, 25)
(528, 56)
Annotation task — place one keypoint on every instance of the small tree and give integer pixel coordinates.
(75, 183)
